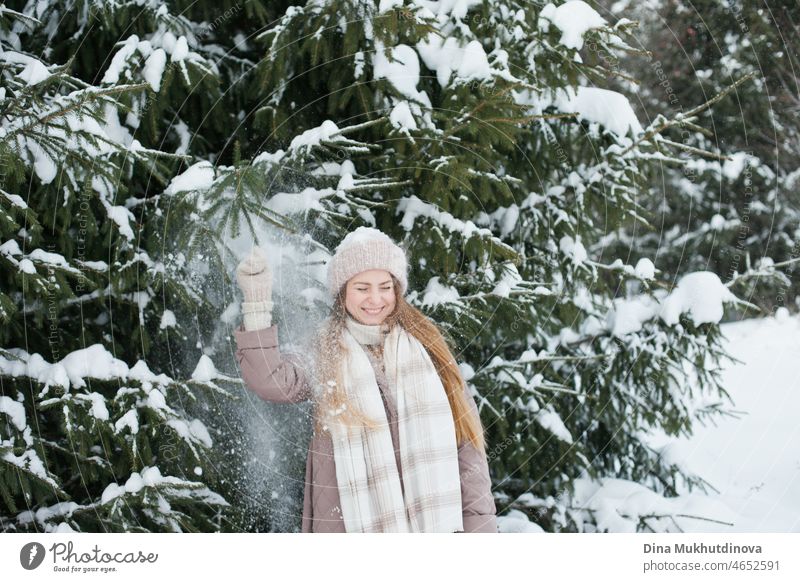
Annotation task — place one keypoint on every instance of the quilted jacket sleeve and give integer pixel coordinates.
(273, 376)
(478, 509)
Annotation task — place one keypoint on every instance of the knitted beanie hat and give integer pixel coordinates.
(362, 250)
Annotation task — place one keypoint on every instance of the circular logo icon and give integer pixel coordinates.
(31, 555)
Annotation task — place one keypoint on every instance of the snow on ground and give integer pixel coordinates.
(754, 460)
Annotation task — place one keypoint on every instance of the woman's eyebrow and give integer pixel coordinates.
(365, 283)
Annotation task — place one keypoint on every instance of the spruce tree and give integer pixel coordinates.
(92, 438)
(502, 164)
(734, 212)
(475, 133)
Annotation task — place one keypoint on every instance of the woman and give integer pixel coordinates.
(398, 443)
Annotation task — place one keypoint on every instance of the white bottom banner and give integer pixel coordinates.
(375, 557)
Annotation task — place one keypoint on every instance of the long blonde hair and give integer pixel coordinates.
(330, 350)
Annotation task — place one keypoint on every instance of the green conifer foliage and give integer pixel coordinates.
(474, 133)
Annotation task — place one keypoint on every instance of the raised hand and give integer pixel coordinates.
(254, 277)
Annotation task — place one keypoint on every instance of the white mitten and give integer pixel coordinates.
(255, 280)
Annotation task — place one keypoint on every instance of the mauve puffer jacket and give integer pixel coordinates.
(278, 377)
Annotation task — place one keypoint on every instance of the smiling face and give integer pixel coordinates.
(369, 296)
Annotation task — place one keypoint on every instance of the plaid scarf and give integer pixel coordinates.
(366, 468)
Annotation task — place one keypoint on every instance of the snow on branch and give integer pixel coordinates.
(413, 208)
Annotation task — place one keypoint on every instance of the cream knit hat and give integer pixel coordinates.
(362, 250)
